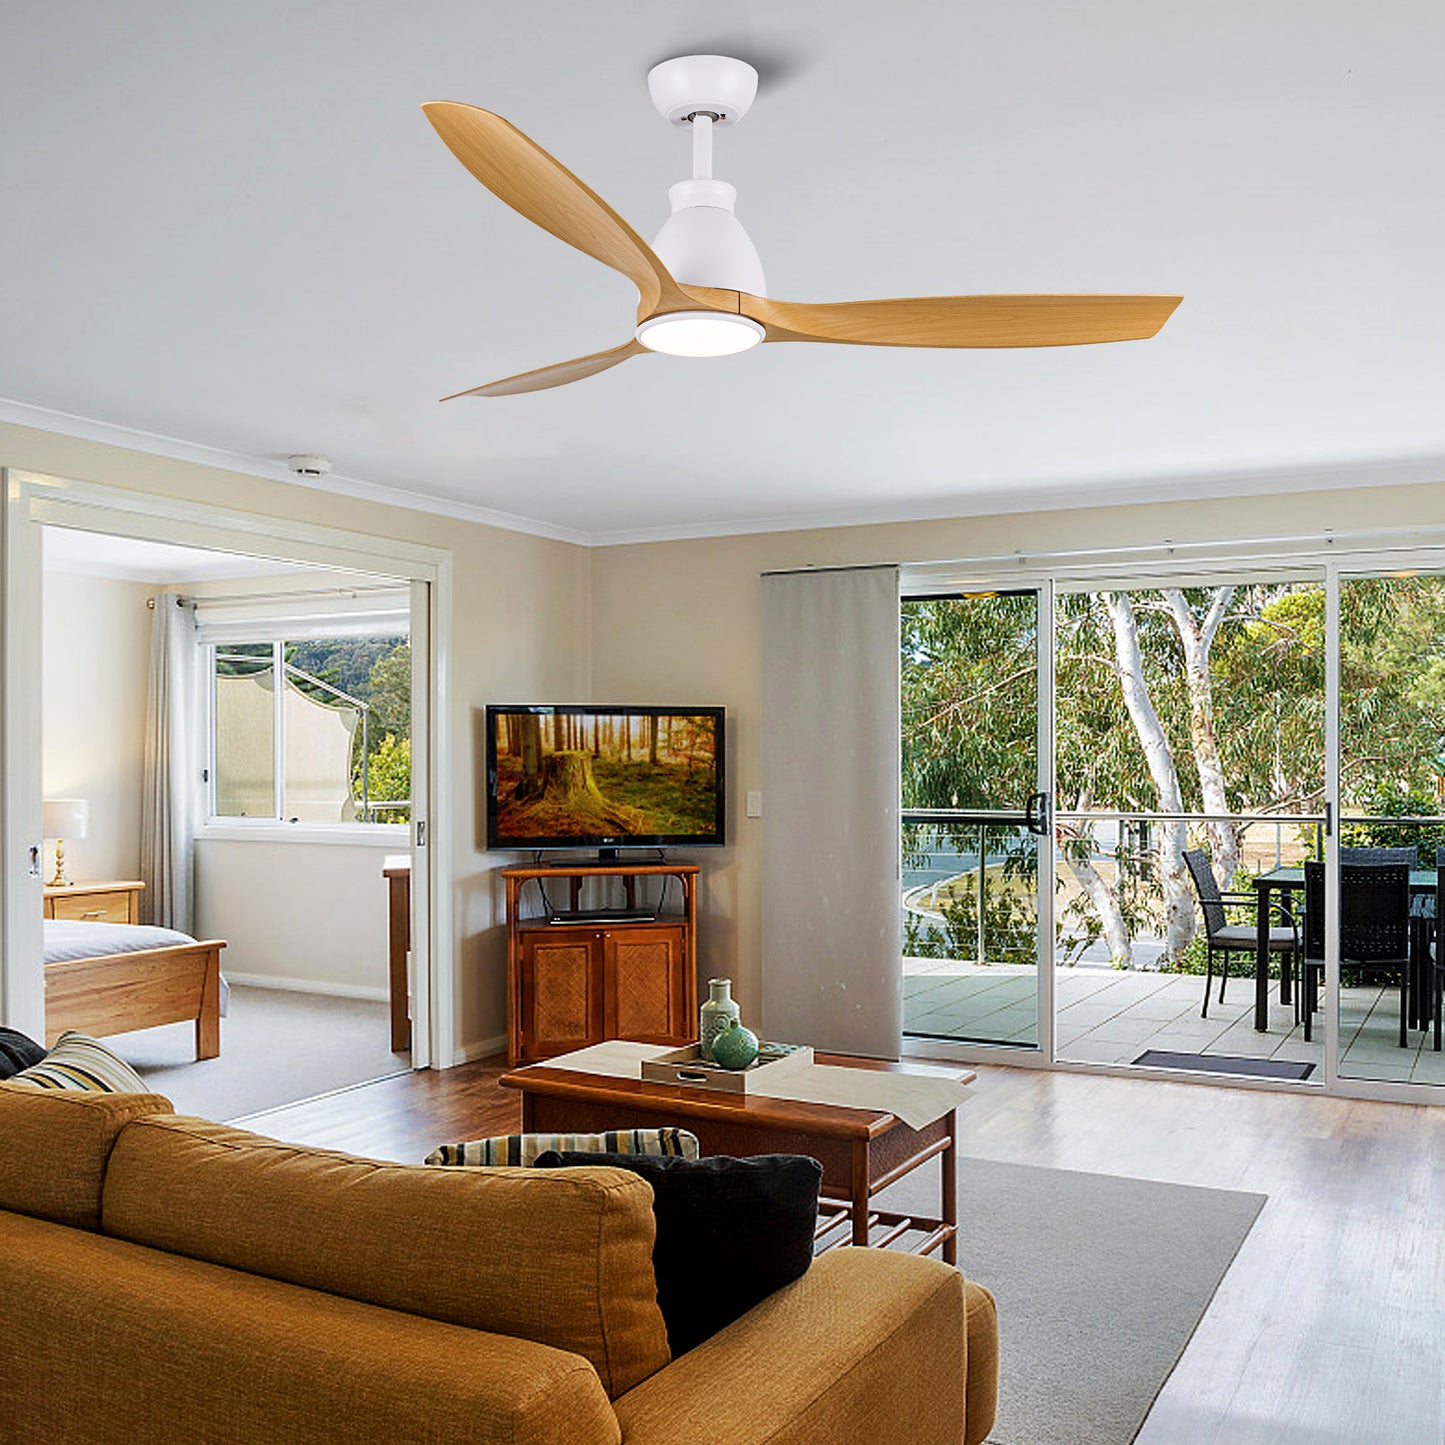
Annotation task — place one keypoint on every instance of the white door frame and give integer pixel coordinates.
(32, 501)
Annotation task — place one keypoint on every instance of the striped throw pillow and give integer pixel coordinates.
(80, 1062)
(523, 1149)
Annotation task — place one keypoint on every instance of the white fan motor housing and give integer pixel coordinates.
(704, 244)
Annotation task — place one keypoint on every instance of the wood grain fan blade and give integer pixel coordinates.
(558, 375)
(965, 320)
(518, 171)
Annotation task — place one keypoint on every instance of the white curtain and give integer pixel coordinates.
(171, 773)
(832, 930)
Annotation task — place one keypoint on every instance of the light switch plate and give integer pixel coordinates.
(755, 805)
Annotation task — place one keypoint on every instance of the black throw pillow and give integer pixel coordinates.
(17, 1052)
(729, 1231)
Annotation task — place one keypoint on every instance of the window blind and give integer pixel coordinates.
(832, 931)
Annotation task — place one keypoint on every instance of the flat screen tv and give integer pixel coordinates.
(604, 777)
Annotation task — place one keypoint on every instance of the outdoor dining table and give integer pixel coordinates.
(1285, 881)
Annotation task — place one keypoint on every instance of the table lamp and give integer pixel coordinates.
(64, 818)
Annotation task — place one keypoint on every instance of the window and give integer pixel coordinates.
(330, 744)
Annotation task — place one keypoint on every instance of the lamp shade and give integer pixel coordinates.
(66, 817)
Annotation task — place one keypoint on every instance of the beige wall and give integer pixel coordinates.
(674, 622)
(519, 630)
(306, 915)
(93, 697)
(678, 622)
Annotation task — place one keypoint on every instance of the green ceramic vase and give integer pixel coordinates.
(735, 1048)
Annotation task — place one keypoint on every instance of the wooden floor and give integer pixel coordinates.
(1328, 1330)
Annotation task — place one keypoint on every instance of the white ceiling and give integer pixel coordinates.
(96, 554)
(231, 225)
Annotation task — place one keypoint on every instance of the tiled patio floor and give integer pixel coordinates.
(1111, 1016)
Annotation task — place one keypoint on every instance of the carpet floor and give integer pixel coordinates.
(277, 1046)
(1100, 1282)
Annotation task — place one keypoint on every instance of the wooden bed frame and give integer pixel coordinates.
(116, 992)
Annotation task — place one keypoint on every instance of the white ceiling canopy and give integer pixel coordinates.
(232, 227)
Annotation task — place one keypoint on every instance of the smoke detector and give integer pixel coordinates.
(305, 465)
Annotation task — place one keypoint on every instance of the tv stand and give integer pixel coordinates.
(578, 976)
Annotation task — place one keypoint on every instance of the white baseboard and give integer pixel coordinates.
(480, 1049)
(308, 985)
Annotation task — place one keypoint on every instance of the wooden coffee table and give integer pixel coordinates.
(861, 1150)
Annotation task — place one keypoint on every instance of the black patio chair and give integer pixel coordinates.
(1223, 937)
(1374, 927)
(1422, 915)
(1410, 857)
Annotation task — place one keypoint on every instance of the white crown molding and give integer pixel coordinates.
(1036, 497)
(109, 434)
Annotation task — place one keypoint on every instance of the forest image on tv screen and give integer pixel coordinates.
(576, 775)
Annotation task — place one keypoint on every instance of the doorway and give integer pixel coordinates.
(414, 578)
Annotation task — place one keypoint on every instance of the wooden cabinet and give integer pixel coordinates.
(570, 984)
(108, 902)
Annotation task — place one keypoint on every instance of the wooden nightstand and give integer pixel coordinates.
(104, 902)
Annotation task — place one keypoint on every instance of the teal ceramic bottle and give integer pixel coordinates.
(718, 1013)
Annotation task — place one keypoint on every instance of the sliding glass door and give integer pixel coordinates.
(1237, 758)
(977, 873)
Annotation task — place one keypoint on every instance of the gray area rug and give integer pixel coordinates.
(277, 1046)
(1100, 1282)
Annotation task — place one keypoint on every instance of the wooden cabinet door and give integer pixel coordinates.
(561, 991)
(644, 984)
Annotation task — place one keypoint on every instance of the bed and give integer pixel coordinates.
(109, 978)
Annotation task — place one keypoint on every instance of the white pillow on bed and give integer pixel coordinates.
(80, 1062)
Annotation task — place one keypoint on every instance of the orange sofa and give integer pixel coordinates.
(171, 1280)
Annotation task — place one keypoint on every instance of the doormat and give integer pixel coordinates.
(1224, 1064)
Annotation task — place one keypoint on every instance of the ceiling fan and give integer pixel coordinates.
(701, 287)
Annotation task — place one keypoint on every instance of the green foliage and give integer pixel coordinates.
(388, 777)
(1425, 837)
(244, 659)
(1392, 684)
(969, 710)
(346, 662)
(388, 690)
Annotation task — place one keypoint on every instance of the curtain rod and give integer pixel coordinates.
(184, 601)
(1291, 547)
(1327, 540)
(806, 571)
